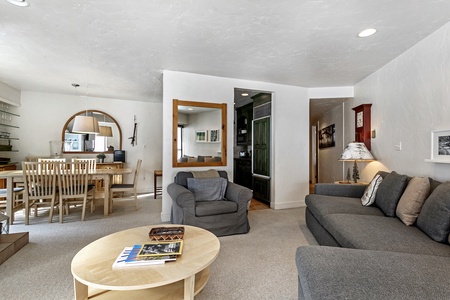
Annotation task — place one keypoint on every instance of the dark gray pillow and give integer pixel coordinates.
(434, 218)
(389, 193)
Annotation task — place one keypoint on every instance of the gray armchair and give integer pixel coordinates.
(221, 217)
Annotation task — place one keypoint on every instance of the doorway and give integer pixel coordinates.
(252, 142)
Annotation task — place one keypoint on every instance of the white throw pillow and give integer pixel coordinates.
(371, 191)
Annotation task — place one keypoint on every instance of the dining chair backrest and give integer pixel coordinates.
(40, 179)
(73, 179)
(92, 162)
(53, 162)
(136, 172)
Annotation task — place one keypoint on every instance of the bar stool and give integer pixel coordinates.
(157, 190)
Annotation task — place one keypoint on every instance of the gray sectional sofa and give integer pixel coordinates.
(367, 252)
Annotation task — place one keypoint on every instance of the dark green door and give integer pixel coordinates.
(261, 147)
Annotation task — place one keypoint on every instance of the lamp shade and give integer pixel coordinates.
(105, 131)
(356, 151)
(85, 124)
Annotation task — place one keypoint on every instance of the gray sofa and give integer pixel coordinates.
(367, 252)
(221, 217)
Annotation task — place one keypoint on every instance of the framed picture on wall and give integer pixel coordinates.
(201, 136)
(440, 145)
(214, 136)
(326, 137)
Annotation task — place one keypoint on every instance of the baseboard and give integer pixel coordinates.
(285, 205)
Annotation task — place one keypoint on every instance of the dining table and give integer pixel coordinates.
(16, 176)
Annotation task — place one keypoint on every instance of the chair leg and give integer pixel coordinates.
(27, 212)
(136, 200)
(84, 208)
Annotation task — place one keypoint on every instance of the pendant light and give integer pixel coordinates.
(85, 124)
(105, 130)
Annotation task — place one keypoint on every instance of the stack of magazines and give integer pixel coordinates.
(151, 253)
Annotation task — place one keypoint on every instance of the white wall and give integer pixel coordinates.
(330, 169)
(44, 115)
(290, 119)
(411, 97)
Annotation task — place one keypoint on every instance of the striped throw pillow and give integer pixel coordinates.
(369, 194)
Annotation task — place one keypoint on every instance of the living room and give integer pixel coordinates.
(409, 95)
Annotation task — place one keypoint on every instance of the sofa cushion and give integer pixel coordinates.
(411, 202)
(389, 193)
(329, 273)
(371, 191)
(211, 208)
(322, 205)
(434, 218)
(381, 233)
(206, 189)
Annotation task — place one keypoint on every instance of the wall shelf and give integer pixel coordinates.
(11, 126)
(9, 113)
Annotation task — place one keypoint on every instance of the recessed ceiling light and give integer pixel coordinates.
(244, 94)
(367, 32)
(190, 108)
(22, 3)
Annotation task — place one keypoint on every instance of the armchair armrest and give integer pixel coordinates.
(342, 190)
(239, 194)
(181, 196)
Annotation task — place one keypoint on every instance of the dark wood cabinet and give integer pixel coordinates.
(261, 189)
(244, 125)
(243, 172)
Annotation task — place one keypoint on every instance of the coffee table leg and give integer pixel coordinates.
(81, 290)
(189, 288)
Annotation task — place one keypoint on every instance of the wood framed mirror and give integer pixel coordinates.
(199, 134)
(82, 143)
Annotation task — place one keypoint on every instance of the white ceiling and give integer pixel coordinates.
(118, 49)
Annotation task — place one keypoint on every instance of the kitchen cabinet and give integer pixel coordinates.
(244, 124)
(243, 172)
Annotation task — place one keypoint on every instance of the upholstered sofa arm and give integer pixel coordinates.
(341, 190)
(181, 195)
(239, 194)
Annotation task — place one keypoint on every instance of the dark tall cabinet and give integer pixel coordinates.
(261, 146)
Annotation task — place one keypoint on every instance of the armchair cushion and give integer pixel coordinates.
(206, 189)
(211, 208)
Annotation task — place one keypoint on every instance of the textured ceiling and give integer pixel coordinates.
(118, 49)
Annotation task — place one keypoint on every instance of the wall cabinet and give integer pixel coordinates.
(244, 124)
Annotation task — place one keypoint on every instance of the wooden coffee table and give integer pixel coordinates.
(95, 278)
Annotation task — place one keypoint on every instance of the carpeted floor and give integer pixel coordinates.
(257, 265)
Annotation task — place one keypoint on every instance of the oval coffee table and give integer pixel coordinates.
(94, 276)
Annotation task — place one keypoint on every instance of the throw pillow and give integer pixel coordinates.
(411, 202)
(206, 189)
(434, 218)
(389, 193)
(371, 190)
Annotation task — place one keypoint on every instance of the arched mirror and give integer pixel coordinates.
(108, 140)
(199, 134)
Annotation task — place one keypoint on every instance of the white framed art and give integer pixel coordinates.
(440, 146)
(214, 136)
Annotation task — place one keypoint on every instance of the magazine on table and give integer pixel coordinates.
(128, 258)
(161, 248)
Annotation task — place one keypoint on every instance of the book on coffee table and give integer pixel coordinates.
(161, 248)
(128, 258)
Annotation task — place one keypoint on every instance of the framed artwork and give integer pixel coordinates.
(440, 145)
(326, 137)
(201, 136)
(214, 136)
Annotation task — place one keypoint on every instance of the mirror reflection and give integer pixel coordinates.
(199, 135)
(108, 140)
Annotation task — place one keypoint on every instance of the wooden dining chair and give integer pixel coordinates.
(40, 187)
(73, 187)
(127, 187)
(17, 204)
(92, 166)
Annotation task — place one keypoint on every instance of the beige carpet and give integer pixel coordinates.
(257, 265)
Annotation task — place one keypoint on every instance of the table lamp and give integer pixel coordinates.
(356, 152)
